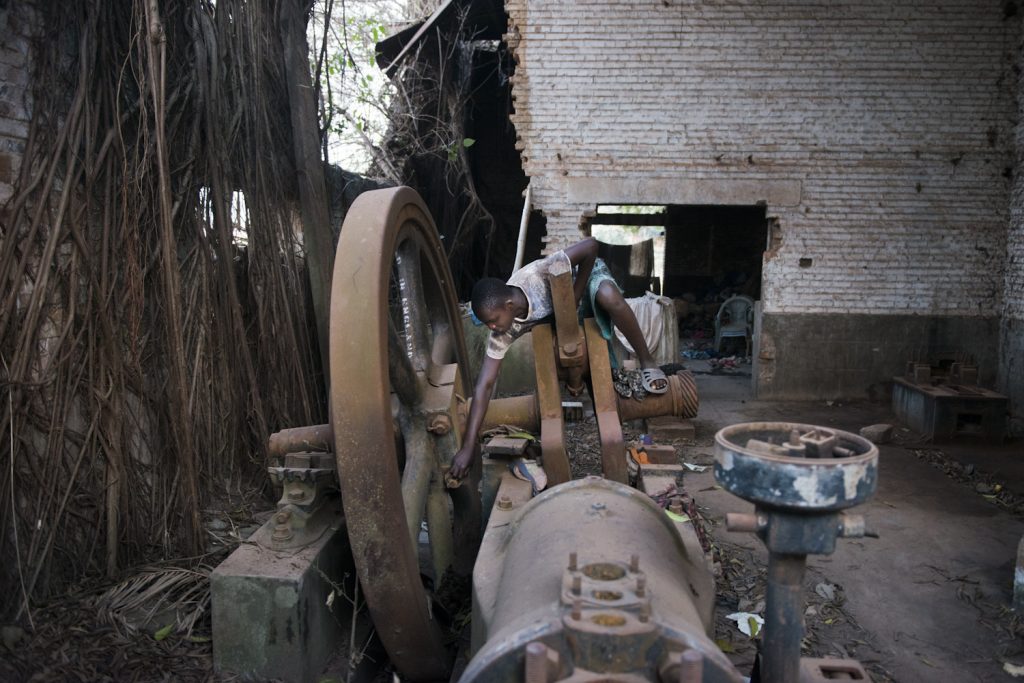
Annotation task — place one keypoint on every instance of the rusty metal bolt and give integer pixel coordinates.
(743, 521)
(282, 530)
(504, 503)
(572, 561)
(439, 424)
(645, 613)
(536, 663)
(577, 609)
(691, 669)
(634, 563)
(577, 584)
(641, 586)
(570, 348)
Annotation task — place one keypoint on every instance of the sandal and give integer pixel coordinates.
(651, 378)
(529, 470)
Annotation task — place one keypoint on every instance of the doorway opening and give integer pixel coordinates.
(706, 258)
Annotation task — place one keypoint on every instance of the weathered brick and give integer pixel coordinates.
(895, 120)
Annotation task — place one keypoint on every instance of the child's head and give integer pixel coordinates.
(492, 304)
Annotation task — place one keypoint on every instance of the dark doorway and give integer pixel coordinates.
(701, 257)
(713, 252)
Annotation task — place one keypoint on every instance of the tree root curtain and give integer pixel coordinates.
(155, 323)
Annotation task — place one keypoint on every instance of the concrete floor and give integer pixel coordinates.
(933, 592)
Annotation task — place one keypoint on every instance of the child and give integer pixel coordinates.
(511, 309)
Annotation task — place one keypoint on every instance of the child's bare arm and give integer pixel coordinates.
(582, 255)
(463, 460)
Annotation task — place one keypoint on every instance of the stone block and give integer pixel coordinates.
(503, 445)
(877, 434)
(668, 428)
(270, 614)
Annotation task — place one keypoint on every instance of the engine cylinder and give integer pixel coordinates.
(591, 577)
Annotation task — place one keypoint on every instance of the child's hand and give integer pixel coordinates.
(463, 460)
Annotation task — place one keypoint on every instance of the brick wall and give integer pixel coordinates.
(1011, 337)
(878, 133)
(14, 75)
(1013, 305)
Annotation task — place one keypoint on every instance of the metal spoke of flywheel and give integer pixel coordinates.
(414, 308)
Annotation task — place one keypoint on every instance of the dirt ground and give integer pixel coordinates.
(926, 601)
(929, 599)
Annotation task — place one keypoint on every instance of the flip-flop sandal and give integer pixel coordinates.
(529, 470)
(652, 375)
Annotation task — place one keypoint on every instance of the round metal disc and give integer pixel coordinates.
(796, 466)
(395, 323)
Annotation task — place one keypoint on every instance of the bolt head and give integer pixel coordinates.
(439, 424)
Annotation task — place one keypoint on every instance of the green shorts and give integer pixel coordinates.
(589, 307)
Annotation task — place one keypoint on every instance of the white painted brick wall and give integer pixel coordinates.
(890, 122)
(14, 75)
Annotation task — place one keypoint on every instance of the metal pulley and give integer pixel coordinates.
(800, 478)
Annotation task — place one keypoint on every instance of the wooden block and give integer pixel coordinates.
(503, 445)
(655, 480)
(669, 428)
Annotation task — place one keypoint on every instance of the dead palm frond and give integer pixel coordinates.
(156, 598)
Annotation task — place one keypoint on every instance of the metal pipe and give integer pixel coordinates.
(521, 411)
(523, 223)
(300, 440)
(680, 400)
(783, 629)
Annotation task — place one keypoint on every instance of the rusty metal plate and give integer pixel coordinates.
(549, 399)
(606, 405)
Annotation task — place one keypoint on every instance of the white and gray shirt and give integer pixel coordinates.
(533, 280)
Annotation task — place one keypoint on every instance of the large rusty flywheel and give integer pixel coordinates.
(397, 372)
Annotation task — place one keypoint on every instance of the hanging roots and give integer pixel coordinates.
(154, 325)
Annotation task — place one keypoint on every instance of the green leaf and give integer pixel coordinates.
(724, 645)
(468, 142)
(677, 518)
(164, 632)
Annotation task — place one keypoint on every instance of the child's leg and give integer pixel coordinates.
(610, 299)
